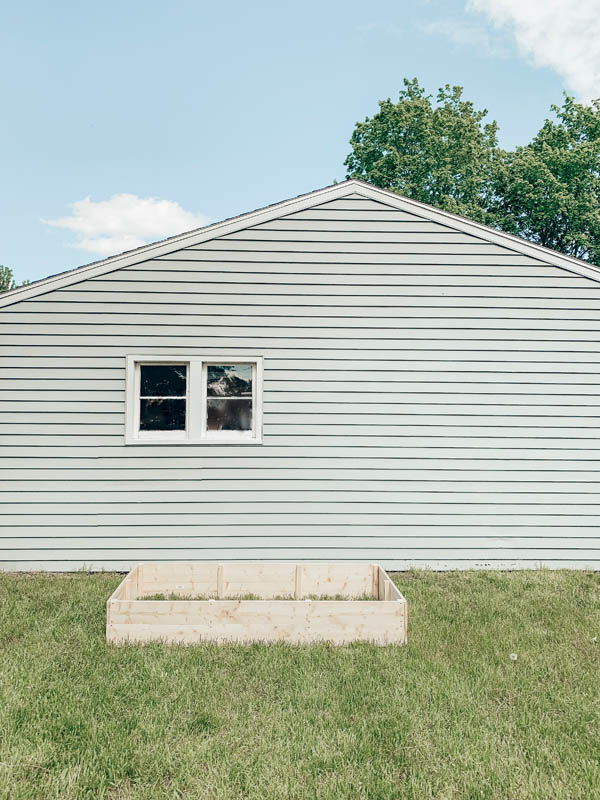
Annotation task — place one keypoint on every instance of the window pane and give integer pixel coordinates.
(229, 415)
(163, 380)
(229, 381)
(162, 414)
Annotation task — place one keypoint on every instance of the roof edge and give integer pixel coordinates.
(289, 206)
(510, 240)
(185, 239)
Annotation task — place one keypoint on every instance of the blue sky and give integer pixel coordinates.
(220, 108)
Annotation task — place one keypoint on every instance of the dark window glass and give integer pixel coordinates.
(162, 414)
(163, 380)
(229, 414)
(233, 380)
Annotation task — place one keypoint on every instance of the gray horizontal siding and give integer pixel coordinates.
(430, 399)
(246, 301)
(332, 321)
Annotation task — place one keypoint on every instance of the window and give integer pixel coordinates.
(163, 397)
(229, 397)
(194, 399)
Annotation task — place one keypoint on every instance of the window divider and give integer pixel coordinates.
(195, 394)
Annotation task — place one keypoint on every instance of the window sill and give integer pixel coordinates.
(207, 441)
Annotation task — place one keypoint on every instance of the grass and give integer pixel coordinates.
(175, 596)
(449, 716)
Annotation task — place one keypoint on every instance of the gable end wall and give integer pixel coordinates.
(430, 399)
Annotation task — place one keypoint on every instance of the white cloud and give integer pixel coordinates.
(124, 222)
(474, 36)
(563, 35)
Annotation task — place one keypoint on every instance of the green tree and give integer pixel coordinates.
(7, 279)
(548, 191)
(441, 153)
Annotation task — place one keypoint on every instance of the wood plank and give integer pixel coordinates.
(335, 626)
(382, 577)
(264, 580)
(179, 578)
(375, 580)
(120, 592)
(333, 579)
(298, 582)
(297, 621)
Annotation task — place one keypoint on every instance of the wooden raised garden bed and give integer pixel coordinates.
(257, 602)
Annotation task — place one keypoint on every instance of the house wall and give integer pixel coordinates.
(429, 399)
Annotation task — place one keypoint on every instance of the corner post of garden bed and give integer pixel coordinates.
(375, 568)
(298, 582)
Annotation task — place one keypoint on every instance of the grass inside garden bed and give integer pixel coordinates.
(448, 716)
(174, 596)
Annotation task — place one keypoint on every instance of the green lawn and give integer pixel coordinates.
(448, 716)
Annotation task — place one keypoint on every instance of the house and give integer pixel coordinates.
(346, 375)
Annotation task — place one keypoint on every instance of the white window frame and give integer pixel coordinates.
(196, 402)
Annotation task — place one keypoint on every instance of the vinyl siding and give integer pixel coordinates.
(430, 399)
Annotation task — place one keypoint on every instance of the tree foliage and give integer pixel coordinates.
(7, 279)
(443, 153)
(549, 190)
(440, 154)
